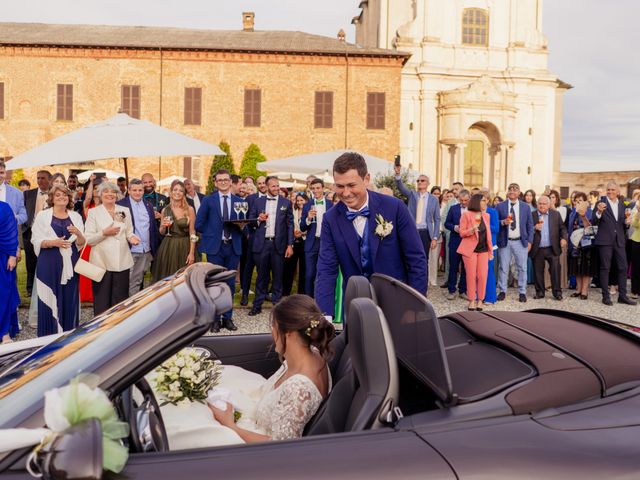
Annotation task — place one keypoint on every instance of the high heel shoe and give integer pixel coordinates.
(576, 295)
(584, 297)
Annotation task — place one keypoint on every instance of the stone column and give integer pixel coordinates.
(495, 168)
(459, 170)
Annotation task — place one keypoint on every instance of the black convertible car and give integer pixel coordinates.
(496, 395)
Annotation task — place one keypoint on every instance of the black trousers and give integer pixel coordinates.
(291, 264)
(30, 259)
(609, 254)
(243, 260)
(634, 256)
(247, 270)
(546, 255)
(270, 263)
(113, 289)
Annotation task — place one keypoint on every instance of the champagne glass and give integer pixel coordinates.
(245, 209)
(627, 212)
(237, 207)
(167, 222)
(313, 209)
(510, 218)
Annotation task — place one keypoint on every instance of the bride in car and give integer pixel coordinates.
(292, 395)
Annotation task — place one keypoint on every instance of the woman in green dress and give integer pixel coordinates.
(178, 246)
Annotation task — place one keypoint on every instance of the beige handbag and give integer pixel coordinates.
(88, 269)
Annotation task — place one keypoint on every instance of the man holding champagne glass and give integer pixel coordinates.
(549, 238)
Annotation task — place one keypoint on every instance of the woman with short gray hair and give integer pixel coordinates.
(109, 231)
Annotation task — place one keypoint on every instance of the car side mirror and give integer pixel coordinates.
(74, 454)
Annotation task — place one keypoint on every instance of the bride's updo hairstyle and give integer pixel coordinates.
(299, 313)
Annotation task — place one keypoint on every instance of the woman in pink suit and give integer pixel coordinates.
(476, 249)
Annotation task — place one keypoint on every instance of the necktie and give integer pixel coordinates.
(513, 217)
(365, 251)
(351, 216)
(419, 209)
(225, 217)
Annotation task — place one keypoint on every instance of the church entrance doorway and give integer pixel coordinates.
(482, 162)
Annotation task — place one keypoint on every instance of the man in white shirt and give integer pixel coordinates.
(311, 222)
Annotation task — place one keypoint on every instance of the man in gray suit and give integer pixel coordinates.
(425, 209)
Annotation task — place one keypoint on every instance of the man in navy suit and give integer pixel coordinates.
(247, 271)
(425, 208)
(146, 229)
(311, 222)
(515, 239)
(366, 233)
(222, 242)
(272, 242)
(452, 223)
(609, 216)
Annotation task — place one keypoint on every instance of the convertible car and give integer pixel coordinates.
(495, 395)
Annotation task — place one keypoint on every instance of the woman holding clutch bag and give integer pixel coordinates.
(57, 236)
(109, 231)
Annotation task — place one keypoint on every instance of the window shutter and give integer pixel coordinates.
(323, 116)
(376, 110)
(252, 107)
(130, 103)
(186, 167)
(64, 108)
(193, 106)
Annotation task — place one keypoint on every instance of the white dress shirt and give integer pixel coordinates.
(359, 222)
(514, 233)
(3, 192)
(614, 207)
(271, 208)
(196, 202)
(320, 211)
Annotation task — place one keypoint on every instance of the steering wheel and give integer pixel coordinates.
(147, 431)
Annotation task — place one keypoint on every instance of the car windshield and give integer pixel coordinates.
(66, 356)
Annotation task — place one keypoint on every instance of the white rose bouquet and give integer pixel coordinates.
(187, 377)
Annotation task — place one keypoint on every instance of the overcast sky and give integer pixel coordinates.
(592, 46)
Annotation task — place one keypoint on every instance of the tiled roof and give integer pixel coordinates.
(181, 38)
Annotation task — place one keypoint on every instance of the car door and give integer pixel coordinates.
(379, 454)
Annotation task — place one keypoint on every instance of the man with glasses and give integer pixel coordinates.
(222, 242)
(425, 209)
(514, 240)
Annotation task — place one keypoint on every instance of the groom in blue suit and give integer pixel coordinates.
(221, 242)
(366, 233)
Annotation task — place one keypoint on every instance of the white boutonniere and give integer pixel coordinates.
(383, 227)
(119, 216)
(283, 209)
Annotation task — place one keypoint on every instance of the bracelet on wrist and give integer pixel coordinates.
(193, 238)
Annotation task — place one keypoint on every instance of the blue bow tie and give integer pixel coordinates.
(351, 216)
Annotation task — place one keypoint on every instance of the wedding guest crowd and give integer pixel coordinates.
(304, 241)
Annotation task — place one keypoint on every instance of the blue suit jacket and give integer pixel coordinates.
(399, 255)
(15, 199)
(154, 233)
(210, 225)
(610, 231)
(525, 222)
(284, 224)
(311, 243)
(433, 208)
(452, 221)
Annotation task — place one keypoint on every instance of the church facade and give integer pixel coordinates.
(478, 103)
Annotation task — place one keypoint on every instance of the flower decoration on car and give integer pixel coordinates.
(187, 377)
(383, 227)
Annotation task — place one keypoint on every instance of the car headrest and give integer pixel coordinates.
(357, 287)
(373, 359)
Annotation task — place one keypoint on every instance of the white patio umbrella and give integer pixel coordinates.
(117, 137)
(110, 174)
(169, 180)
(321, 163)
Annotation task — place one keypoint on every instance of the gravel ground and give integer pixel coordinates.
(592, 306)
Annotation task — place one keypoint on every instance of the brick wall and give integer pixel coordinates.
(287, 81)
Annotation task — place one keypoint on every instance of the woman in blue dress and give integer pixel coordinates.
(57, 234)
(491, 293)
(8, 249)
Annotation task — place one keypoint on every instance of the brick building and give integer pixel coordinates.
(288, 92)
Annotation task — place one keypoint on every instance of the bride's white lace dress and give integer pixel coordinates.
(280, 413)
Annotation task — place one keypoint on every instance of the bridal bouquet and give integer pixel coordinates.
(187, 377)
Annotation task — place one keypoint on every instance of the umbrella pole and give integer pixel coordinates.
(126, 170)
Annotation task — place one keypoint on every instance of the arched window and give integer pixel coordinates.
(475, 27)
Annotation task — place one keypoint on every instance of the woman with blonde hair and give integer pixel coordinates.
(57, 236)
(109, 231)
(178, 227)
